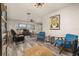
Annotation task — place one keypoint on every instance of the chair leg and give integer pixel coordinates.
(55, 44)
(61, 49)
(16, 43)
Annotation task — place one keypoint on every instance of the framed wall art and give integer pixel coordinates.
(55, 22)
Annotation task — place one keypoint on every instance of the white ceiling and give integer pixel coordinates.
(19, 10)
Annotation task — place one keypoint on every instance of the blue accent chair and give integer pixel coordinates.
(70, 41)
(41, 36)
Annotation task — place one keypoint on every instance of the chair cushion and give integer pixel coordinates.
(71, 37)
(41, 36)
(68, 45)
(42, 33)
(75, 37)
(59, 43)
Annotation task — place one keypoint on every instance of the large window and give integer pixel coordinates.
(25, 26)
(30, 26)
(21, 26)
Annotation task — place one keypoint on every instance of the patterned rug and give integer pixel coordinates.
(40, 50)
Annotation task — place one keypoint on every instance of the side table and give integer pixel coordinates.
(52, 40)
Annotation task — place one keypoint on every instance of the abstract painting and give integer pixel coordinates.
(55, 22)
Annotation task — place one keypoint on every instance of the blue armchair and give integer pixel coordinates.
(41, 36)
(69, 42)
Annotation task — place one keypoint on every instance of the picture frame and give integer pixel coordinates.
(55, 22)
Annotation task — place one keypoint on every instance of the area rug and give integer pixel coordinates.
(39, 51)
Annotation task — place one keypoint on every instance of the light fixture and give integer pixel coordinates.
(38, 5)
(31, 20)
(28, 13)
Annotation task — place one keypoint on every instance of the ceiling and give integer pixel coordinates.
(20, 10)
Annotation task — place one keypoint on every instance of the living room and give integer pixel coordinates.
(53, 21)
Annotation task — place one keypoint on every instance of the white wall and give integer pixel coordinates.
(69, 21)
